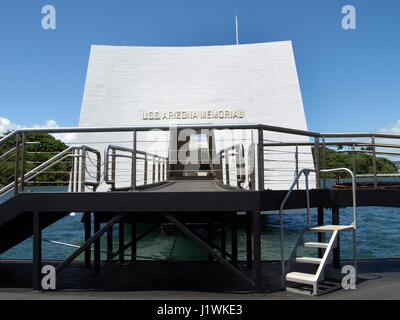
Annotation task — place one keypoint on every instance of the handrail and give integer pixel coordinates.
(306, 172)
(156, 159)
(240, 164)
(205, 126)
(53, 161)
(13, 149)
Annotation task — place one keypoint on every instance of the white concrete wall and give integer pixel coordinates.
(260, 79)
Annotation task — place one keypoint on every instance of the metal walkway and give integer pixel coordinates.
(128, 186)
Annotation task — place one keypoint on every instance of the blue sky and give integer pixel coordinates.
(349, 78)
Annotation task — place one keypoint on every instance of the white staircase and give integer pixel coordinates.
(315, 282)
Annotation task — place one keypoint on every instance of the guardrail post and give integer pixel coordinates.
(145, 169)
(113, 168)
(23, 155)
(354, 164)
(260, 154)
(154, 170)
(16, 169)
(133, 170)
(316, 155)
(374, 161)
(297, 165)
(227, 173)
(324, 162)
(83, 169)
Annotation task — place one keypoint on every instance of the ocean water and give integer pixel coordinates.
(378, 236)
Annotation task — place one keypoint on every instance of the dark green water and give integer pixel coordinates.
(378, 236)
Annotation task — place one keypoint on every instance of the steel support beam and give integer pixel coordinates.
(210, 238)
(96, 243)
(37, 252)
(89, 242)
(257, 251)
(249, 245)
(336, 251)
(223, 240)
(121, 242)
(110, 243)
(129, 245)
(133, 240)
(88, 232)
(321, 236)
(204, 245)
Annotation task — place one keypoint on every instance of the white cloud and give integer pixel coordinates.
(64, 137)
(6, 125)
(392, 128)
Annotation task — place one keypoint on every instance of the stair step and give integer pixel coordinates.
(308, 260)
(301, 277)
(329, 228)
(321, 245)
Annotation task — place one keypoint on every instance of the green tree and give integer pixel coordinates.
(36, 154)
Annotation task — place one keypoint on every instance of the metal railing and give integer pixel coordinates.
(237, 153)
(158, 171)
(78, 178)
(263, 177)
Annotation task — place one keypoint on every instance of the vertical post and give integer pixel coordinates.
(249, 249)
(317, 167)
(238, 168)
(110, 244)
(23, 162)
(257, 251)
(234, 243)
(336, 251)
(354, 164)
(113, 168)
(16, 169)
(133, 170)
(76, 170)
(374, 161)
(37, 252)
(159, 169)
(154, 170)
(96, 243)
(297, 164)
(121, 242)
(145, 169)
(227, 174)
(133, 239)
(260, 159)
(88, 227)
(324, 161)
(83, 169)
(210, 239)
(223, 240)
(321, 236)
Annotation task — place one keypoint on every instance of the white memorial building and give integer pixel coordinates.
(165, 86)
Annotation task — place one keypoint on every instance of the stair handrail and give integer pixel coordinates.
(306, 172)
(53, 161)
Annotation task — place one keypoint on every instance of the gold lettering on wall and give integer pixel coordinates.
(192, 114)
